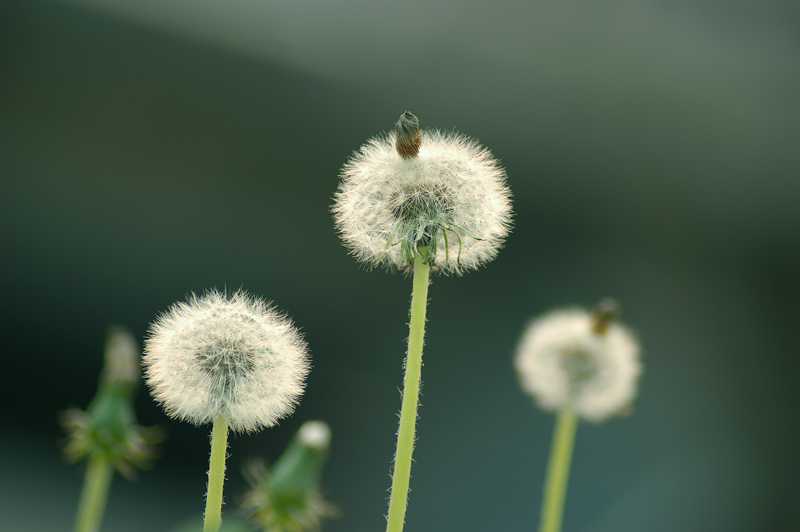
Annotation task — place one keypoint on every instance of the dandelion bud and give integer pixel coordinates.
(107, 427)
(287, 497)
(441, 194)
(408, 135)
(121, 358)
(234, 357)
(572, 359)
(315, 435)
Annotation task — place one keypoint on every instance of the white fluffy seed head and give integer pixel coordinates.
(563, 363)
(232, 356)
(450, 197)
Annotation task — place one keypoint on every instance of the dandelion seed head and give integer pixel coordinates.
(408, 189)
(564, 362)
(233, 356)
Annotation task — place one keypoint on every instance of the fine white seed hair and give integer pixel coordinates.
(605, 385)
(464, 185)
(233, 356)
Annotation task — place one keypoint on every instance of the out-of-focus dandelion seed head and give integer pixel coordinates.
(579, 360)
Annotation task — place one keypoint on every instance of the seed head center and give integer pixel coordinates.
(580, 366)
(226, 358)
(428, 202)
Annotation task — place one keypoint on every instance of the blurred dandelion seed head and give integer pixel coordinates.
(563, 362)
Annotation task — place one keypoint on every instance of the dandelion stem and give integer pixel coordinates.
(555, 487)
(216, 474)
(408, 412)
(94, 494)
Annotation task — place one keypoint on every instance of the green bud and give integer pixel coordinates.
(108, 425)
(288, 497)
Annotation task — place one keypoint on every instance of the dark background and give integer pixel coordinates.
(152, 149)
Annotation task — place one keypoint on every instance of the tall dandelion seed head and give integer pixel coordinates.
(232, 356)
(577, 360)
(412, 189)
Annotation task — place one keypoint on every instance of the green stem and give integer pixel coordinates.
(408, 412)
(94, 494)
(555, 488)
(216, 474)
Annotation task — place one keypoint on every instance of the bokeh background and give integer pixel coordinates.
(152, 148)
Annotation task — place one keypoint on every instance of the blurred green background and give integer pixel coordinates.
(151, 148)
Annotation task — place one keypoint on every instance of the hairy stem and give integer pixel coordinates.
(408, 412)
(216, 474)
(555, 487)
